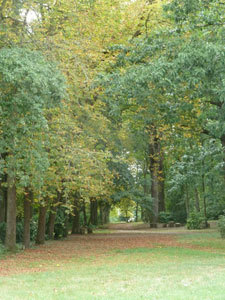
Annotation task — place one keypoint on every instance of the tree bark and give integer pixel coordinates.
(10, 240)
(3, 200)
(66, 230)
(154, 152)
(76, 220)
(101, 213)
(93, 211)
(187, 201)
(197, 200)
(84, 212)
(27, 217)
(106, 213)
(154, 194)
(136, 212)
(40, 238)
(51, 222)
(204, 199)
(223, 144)
(161, 186)
(2, 206)
(156, 171)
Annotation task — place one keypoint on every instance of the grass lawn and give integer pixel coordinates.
(158, 270)
(211, 240)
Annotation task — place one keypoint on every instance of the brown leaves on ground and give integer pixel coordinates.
(56, 253)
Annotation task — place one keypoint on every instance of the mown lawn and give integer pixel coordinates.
(160, 272)
(211, 240)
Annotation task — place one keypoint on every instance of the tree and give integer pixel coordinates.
(29, 85)
(164, 85)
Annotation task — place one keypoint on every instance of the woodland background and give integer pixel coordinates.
(110, 106)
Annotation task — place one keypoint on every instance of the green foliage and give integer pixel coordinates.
(29, 85)
(221, 226)
(2, 231)
(195, 221)
(33, 228)
(19, 232)
(165, 217)
(162, 92)
(2, 250)
(60, 224)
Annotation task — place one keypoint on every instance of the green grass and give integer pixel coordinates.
(102, 231)
(141, 273)
(161, 273)
(206, 239)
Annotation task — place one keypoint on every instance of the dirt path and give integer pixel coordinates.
(75, 247)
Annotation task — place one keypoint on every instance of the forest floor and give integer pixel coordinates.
(125, 261)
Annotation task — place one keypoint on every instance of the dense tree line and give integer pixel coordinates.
(109, 104)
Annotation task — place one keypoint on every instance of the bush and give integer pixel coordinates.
(221, 226)
(19, 232)
(33, 228)
(60, 228)
(195, 221)
(165, 217)
(2, 231)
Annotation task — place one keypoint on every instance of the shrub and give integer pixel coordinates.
(2, 231)
(60, 228)
(33, 228)
(195, 221)
(19, 232)
(165, 217)
(221, 226)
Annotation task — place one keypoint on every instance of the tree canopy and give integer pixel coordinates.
(110, 104)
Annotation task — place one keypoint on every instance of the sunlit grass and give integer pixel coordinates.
(102, 231)
(159, 273)
(131, 274)
(208, 239)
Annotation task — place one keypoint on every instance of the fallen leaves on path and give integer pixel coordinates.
(57, 253)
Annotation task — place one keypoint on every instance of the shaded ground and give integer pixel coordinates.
(124, 236)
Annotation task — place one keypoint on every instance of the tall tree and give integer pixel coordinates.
(29, 85)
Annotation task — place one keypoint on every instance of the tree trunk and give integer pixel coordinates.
(27, 217)
(10, 240)
(197, 200)
(3, 200)
(5, 192)
(2, 206)
(51, 222)
(187, 201)
(154, 155)
(146, 212)
(161, 186)
(40, 238)
(204, 199)
(94, 211)
(106, 213)
(76, 220)
(154, 188)
(136, 212)
(66, 230)
(101, 213)
(154, 194)
(84, 212)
